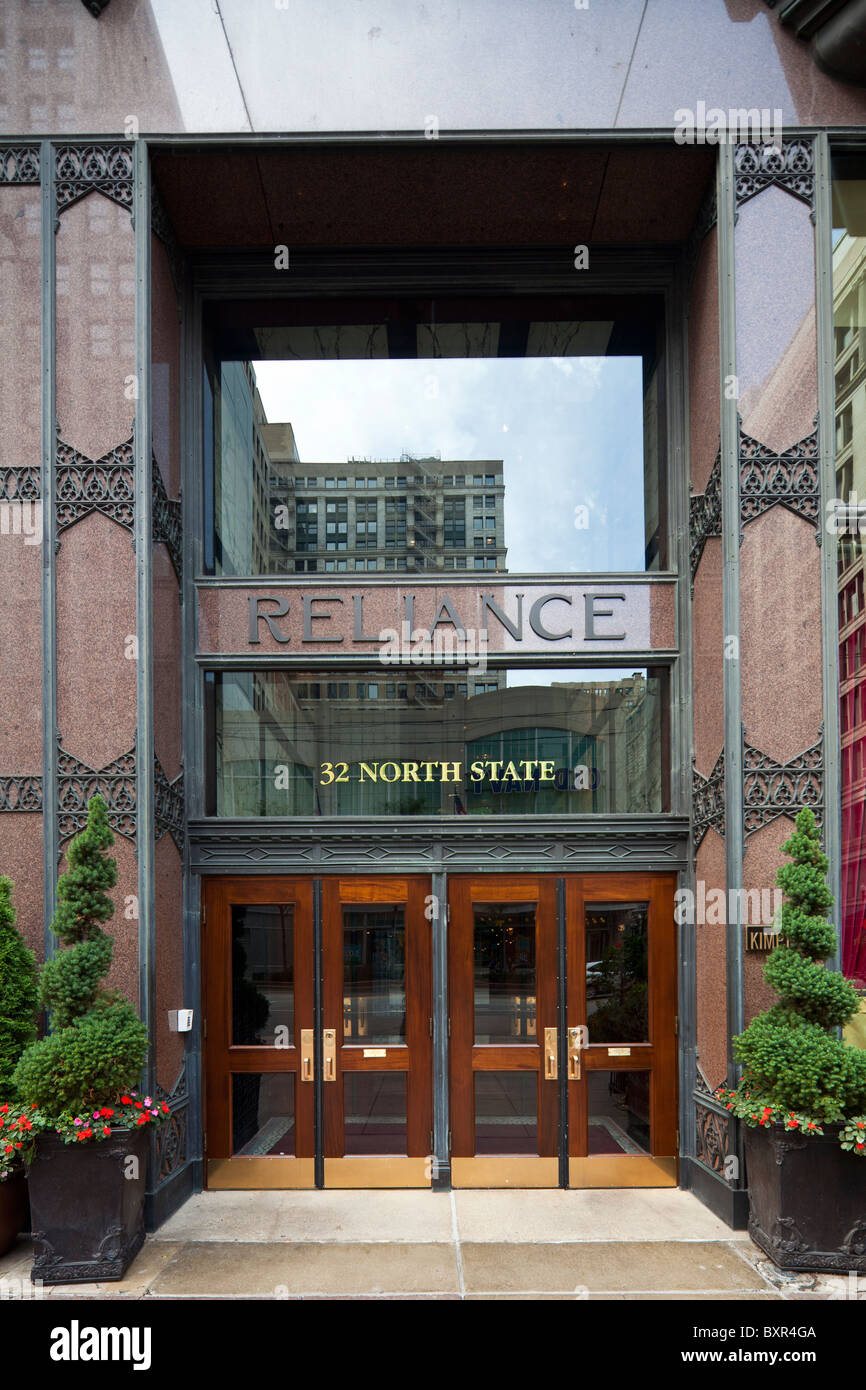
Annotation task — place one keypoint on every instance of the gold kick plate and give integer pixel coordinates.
(329, 1040)
(551, 1069)
(307, 1072)
(574, 1054)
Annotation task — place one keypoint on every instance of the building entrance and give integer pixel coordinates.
(560, 1027)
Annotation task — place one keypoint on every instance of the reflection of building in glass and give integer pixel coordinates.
(599, 742)
(849, 278)
(244, 532)
(281, 515)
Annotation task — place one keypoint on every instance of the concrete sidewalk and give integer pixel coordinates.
(624, 1244)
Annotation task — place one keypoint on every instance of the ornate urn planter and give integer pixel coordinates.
(807, 1200)
(87, 1207)
(13, 1210)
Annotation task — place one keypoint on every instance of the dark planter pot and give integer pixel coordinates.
(807, 1200)
(13, 1210)
(87, 1215)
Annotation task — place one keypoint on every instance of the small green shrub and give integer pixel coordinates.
(18, 996)
(97, 1045)
(796, 1070)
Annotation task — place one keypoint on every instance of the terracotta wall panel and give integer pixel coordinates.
(709, 659)
(775, 288)
(20, 448)
(95, 617)
(780, 634)
(711, 971)
(703, 348)
(95, 325)
(21, 860)
(20, 327)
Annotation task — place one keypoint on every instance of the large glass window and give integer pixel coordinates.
(437, 742)
(528, 431)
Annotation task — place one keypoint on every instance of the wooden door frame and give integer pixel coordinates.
(220, 1056)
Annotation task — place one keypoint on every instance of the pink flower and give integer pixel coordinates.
(76, 1122)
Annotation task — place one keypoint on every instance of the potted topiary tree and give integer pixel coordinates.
(87, 1126)
(802, 1095)
(18, 1002)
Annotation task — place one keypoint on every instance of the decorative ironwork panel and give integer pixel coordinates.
(83, 169)
(168, 805)
(708, 800)
(167, 520)
(20, 793)
(772, 789)
(19, 164)
(169, 1142)
(714, 1138)
(705, 516)
(789, 478)
(106, 485)
(21, 484)
(77, 783)
(790, 166)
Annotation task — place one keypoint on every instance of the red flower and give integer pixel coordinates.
(861, 1124)
(124, 1100)
(138, 1105)
(4, 1109)
(165, 1109)
(142, 1120)
(105, 1129)
(105, 1112)
(9, 1148)
(859, 1144)
(18, 1144)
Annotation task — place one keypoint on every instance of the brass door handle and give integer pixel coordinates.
(329, 1044)
(574, 1042)
(551, 1059)
(307, 1054)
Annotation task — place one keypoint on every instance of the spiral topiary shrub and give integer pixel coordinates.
(96, 1045)
(797, 1071)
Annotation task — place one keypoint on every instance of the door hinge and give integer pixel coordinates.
(449, 1025)
(204, 1141)
(204, 1027)
(678, 1141)
(676, 1025)
(203, 911)
(430, 1025)
(431, 1141)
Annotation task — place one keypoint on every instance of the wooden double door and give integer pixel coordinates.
(556, 1037)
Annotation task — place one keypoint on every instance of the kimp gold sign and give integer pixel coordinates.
(430, 619)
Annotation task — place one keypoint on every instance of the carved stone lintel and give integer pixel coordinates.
(708, 800)
(83, 169)
(772, 789)
(790, 166)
